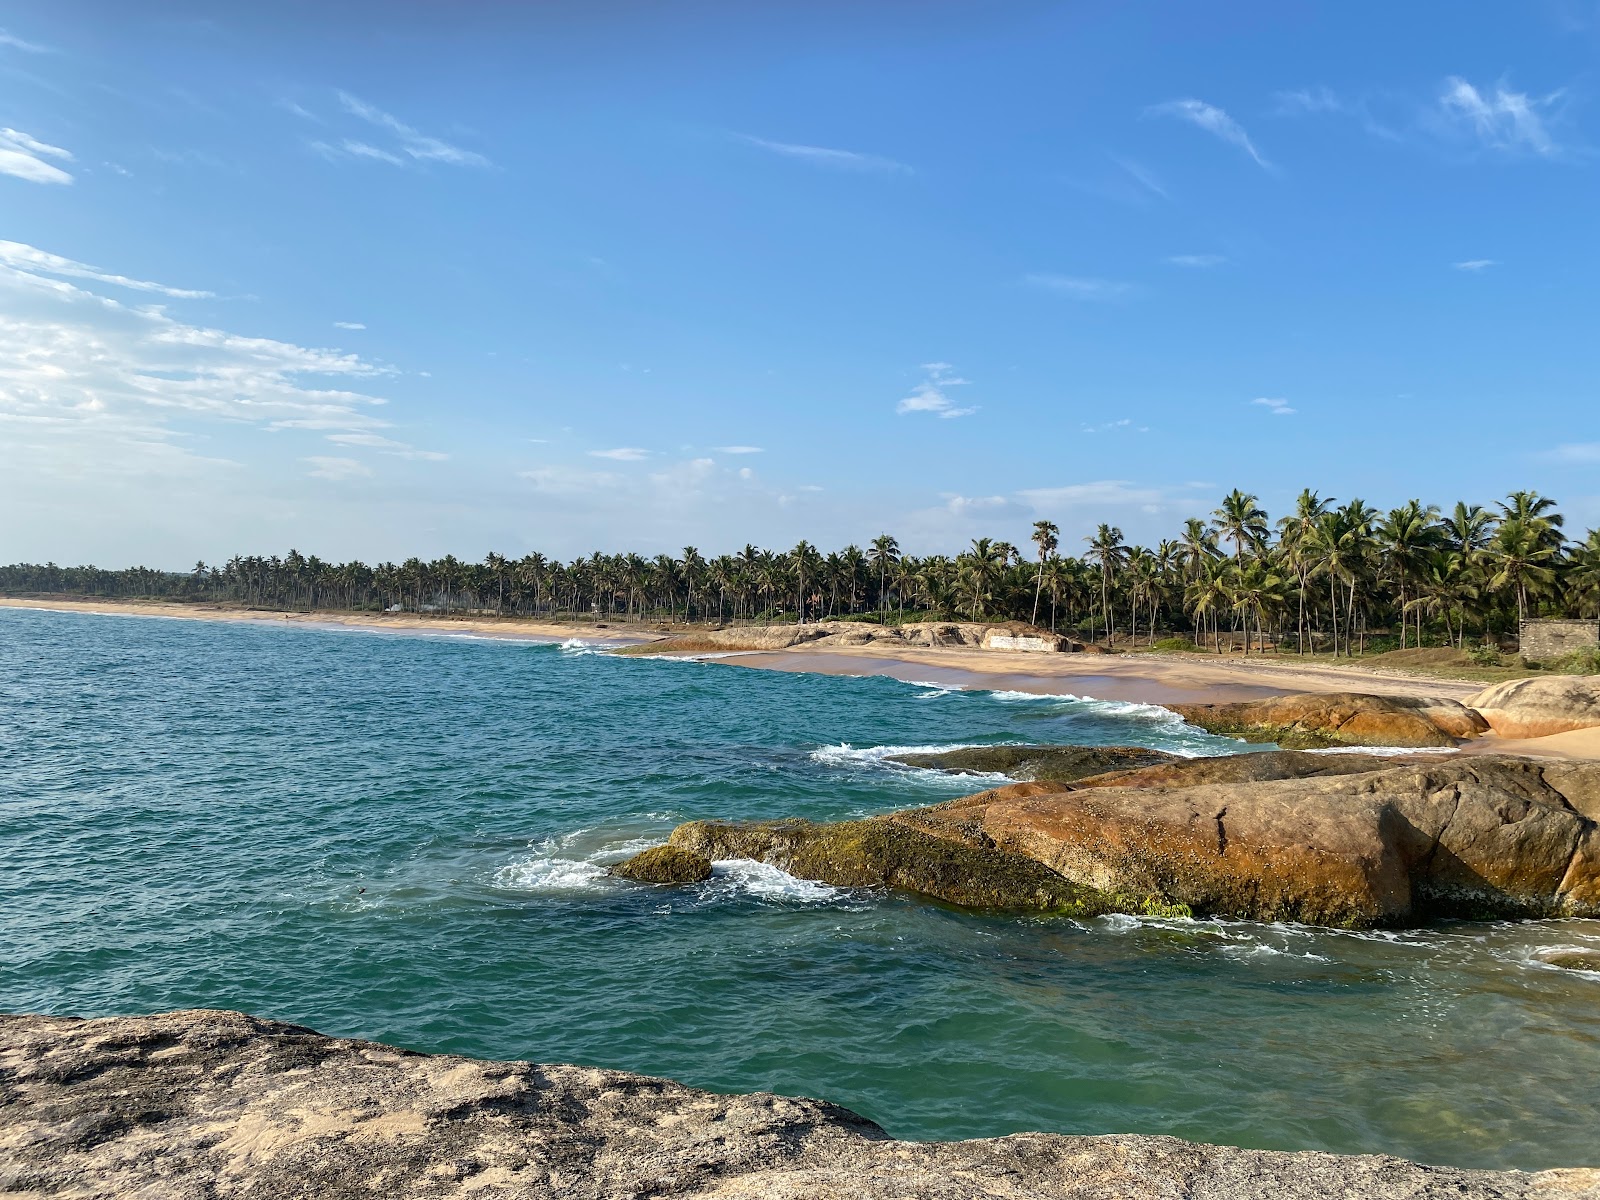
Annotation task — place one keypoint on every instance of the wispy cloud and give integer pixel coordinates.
(1143, 176)
(1501, 120)
(738, 449)
(621, 454)
(348, 325)
(824, 156)
(1576, 452)
(1278, 408)
(1214, 121)
(1476, 264)
(930, 396)
(1196, 260)
(1081, 287)
(1309, 100)
(325, 466)
(385, 445)
(24, 157)
(410, 146)
(16, 43)
(29, 258)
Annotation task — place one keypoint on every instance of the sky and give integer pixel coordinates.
(380, 280)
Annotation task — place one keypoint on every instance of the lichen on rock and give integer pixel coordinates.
(664, 864)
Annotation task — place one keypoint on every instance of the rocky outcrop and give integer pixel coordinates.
(1313, 721)
(202, 1105)
(1529, 708)
(1061, 763)
(930, 634)
(664, 864)
(1271, 837)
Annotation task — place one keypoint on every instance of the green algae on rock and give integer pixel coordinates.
(1062, 764)
(664, 864)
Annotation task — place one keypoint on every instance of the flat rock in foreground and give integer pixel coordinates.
(213, 1105)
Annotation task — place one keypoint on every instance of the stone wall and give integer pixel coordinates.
(1038, 644)
(1541, 641)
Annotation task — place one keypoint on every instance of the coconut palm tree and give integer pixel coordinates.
(1047, 538)
(1243, 522)
(1109, 552)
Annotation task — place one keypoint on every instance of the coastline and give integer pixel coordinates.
(1132, 678)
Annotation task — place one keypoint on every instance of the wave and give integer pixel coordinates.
(878, 758)
(747, 877)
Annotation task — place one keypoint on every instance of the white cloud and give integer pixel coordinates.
(1310, 100)
(325, 467)
(89, 384)
(16, 43)
(410, 146)
(35, 261)
(1213, 120)
(746, 473)
(1475, 264)
(1101, 492)
(822, 156)
(929, 395)
(1278, 408)
(1502, 120)
(621, 454)
(1081, 287)
(1577, 452)
(738, 449)
(348, 325)
(1197, 260)
(23, 156)
(1143, 177)
(385, 445)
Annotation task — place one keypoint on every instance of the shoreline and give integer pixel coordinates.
(1131, 678)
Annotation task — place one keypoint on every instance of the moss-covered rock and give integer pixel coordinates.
(882, 852)
(1574, 960)
(665, 864)
(1059, 764)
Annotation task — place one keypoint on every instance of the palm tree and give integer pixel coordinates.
(1048, 539)
(1243, 522)
(980, 568)
(1109, 552)
(806, 562)
(1522, 560)
(883, 553)
(1409, 534)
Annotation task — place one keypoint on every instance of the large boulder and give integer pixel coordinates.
(1290, 837)
(186, 1105)
(1062, 763)
(1314, 720)
(664, 864)
(1529, 708)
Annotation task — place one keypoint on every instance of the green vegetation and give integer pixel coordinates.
(1341, 580)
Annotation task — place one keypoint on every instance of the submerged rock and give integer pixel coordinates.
(664, 864)
(1313, 721)
(1064, 764)
(1528, 708)
(1573, 960)
(206, 1104)
(1273, 837)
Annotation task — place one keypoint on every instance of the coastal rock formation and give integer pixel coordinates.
(1272, 837)
(929, 634)
(664, 864)
(1530, 708)
(1313, 721)
(1063, 764)
(205, 1104)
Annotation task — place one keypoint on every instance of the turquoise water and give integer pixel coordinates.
(189, 812)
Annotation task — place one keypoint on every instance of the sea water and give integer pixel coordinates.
(404, 837)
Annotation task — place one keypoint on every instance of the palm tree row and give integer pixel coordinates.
(1326, 577)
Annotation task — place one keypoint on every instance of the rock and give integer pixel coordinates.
(664, 864)
(930, 634)
(1062, 763)
(202, 1104)
(1313, 721)
(1573, 960)
(1529, 708)
(881, 852)
(1270, 837)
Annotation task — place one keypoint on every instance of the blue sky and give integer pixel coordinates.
(374, 280)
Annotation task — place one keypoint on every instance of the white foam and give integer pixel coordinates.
(1386, 751)
(548, 873)
(766, 882)
(878, 758)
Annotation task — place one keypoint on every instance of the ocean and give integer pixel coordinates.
(404, 837)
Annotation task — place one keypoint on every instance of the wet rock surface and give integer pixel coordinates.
(207, 1105)
(664, 864)
(1065, 764)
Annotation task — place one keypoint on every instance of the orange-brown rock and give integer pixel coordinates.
(1528, 708)
(1310, 721)
(1282, 836)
